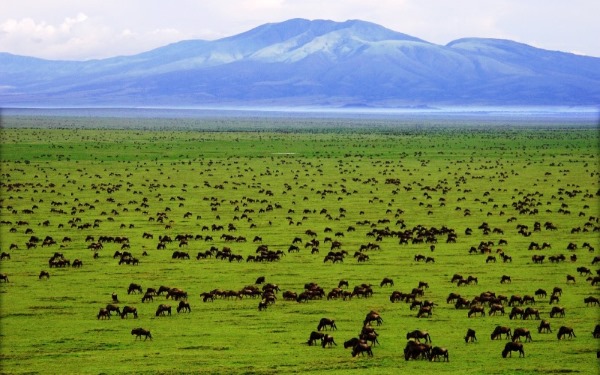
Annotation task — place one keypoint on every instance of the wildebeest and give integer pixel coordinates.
(326, 322)
(521, 332)
(415, 350)
(424, 311)
(139, 332)
(43, 274)
(470, 336)
(343, 283)
(591, 301)
(544, 326)
(134, 288)
(531, 312)
(438, 353)
(327, 341)
(596, 333)
(476, 309)
(260, 280)
(128, 310)
(516, 311)
(499, 331)
(557, 311)
(373, 316)
(565, 331)
(362, 348)
(513, 347)
(103, 313)
(162, 309)
(4, 277)
(314, 336)
(387, 281)
(114, 308)
(4, 255)
(418, 335)
(541, 293)
(505, 279)
(184, 306)
(496, 307)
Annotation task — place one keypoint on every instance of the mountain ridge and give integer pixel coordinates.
(303, 62)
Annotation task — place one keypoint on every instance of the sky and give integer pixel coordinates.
(93, 29)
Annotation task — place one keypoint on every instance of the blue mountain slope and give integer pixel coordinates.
(310, 63)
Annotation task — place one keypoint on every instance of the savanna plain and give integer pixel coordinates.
(304, 203)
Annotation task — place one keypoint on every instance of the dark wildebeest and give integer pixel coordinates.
(162, 309)
(327, 340)
(184, 306)
(513, 347)
(260, 280)
(373, 316)
(424, 311)
(129, 310)
(531, 312)
(44, 274)
(418, 335)
(591, 301)
(518, 332)
(416, 350)
(324, 322)
(4, 277)
(541, 293)
(139, 332)
(470, 337)
(314, 336)
(557, 311)
(516, 311)
(496, 307)
(596, 333)
(544, 326)
(103, 313)
(499, 331)
(352, 342)
(387, 281)
(562, 331)
(476, 309)
(134, 288)
(114, 308)
(362, 348)
(343, 283)
(438, 353)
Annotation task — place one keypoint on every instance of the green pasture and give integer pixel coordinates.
(277, 183)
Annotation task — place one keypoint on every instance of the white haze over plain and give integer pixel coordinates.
(91, 29)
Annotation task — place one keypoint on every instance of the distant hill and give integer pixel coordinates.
(315, 63)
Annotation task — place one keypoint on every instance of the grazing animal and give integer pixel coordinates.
(129, 310)
(103, 313)
(418, 335)
(44, 274)
(139, 332)
(531, 312)
(133, 288)
(499, 331)
(476, 309)
(565, 331)
(415, 350)
(362, 348)
(162, 309)
(470, 336)
(325, 322)
(114, 308)
(184, 306)
(513, 347)
(596, 333)
(373, 316)
(545, 327)
(387, 281)
(505, 279)
(541, 293)
(4, 277)
(327, 341)
(591, 301)
(439, 353)
(557, 311)
(352, 342)
(524, 332)
(314, 336)
(260, 280)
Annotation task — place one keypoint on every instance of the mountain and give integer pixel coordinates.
(317, 63)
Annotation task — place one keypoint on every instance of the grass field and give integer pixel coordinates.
(79, 177)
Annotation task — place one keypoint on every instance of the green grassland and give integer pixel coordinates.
(277, 182)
